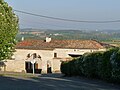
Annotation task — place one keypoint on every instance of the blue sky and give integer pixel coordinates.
(98, 10)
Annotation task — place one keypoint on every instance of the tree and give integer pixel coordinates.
(8, 30)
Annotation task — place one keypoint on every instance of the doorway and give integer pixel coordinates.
(49, 70)
(29, 68)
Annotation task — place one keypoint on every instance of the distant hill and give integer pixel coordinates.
(31, 29)
(101, 35)
(111, 31)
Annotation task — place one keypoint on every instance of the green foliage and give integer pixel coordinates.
(72, 69)
(79, 66)
(68, 68)
(105, 65)
(115, 64)
(90, 64)
(65, 68)
(104, 36)
(102, 65)
(8, 30)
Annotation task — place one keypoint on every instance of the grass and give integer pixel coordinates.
(13, 74)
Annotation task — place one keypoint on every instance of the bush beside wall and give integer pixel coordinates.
(101, 65)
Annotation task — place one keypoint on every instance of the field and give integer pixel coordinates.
(107, 36)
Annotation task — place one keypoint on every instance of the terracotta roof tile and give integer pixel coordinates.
(41, 44)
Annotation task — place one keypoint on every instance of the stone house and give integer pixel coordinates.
(48, 54)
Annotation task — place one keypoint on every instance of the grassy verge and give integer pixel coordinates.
(12, 74)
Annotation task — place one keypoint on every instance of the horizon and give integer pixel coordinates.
(42, 29)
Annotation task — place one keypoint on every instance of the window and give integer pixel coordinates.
(55, 54)
(74, 49)
(91, 51)
(28, 56)
(34, 55)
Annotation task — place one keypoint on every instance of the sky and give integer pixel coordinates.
(91, 10)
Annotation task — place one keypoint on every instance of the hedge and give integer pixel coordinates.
(69, 68)
(101, 65)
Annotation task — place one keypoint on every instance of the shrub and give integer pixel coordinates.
(115, 63)
(64, 67)
(73, 68)
(69, 68)
(103, 65)
(90, 64)
(78, 65)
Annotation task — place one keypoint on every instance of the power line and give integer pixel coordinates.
(46, 24)
(68, 20)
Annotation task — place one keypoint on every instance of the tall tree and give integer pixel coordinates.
(8, 30)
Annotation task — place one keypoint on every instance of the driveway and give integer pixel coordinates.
(53, 82)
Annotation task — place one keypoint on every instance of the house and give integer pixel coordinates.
(48, 54)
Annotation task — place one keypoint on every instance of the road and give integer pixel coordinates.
(53, 82)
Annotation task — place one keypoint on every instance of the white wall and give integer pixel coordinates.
(18, 65)
(64, 53)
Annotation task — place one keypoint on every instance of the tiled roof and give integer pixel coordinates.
(73, 44)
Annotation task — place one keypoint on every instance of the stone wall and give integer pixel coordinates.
(18, 65)
(15, 65)
(56, 65)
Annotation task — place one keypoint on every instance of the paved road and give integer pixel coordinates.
(53, 82)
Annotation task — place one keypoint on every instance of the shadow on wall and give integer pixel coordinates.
(2, 66)
(49, 67)
(29, 68)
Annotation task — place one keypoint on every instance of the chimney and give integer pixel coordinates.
(22, 39)
(48, 39)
